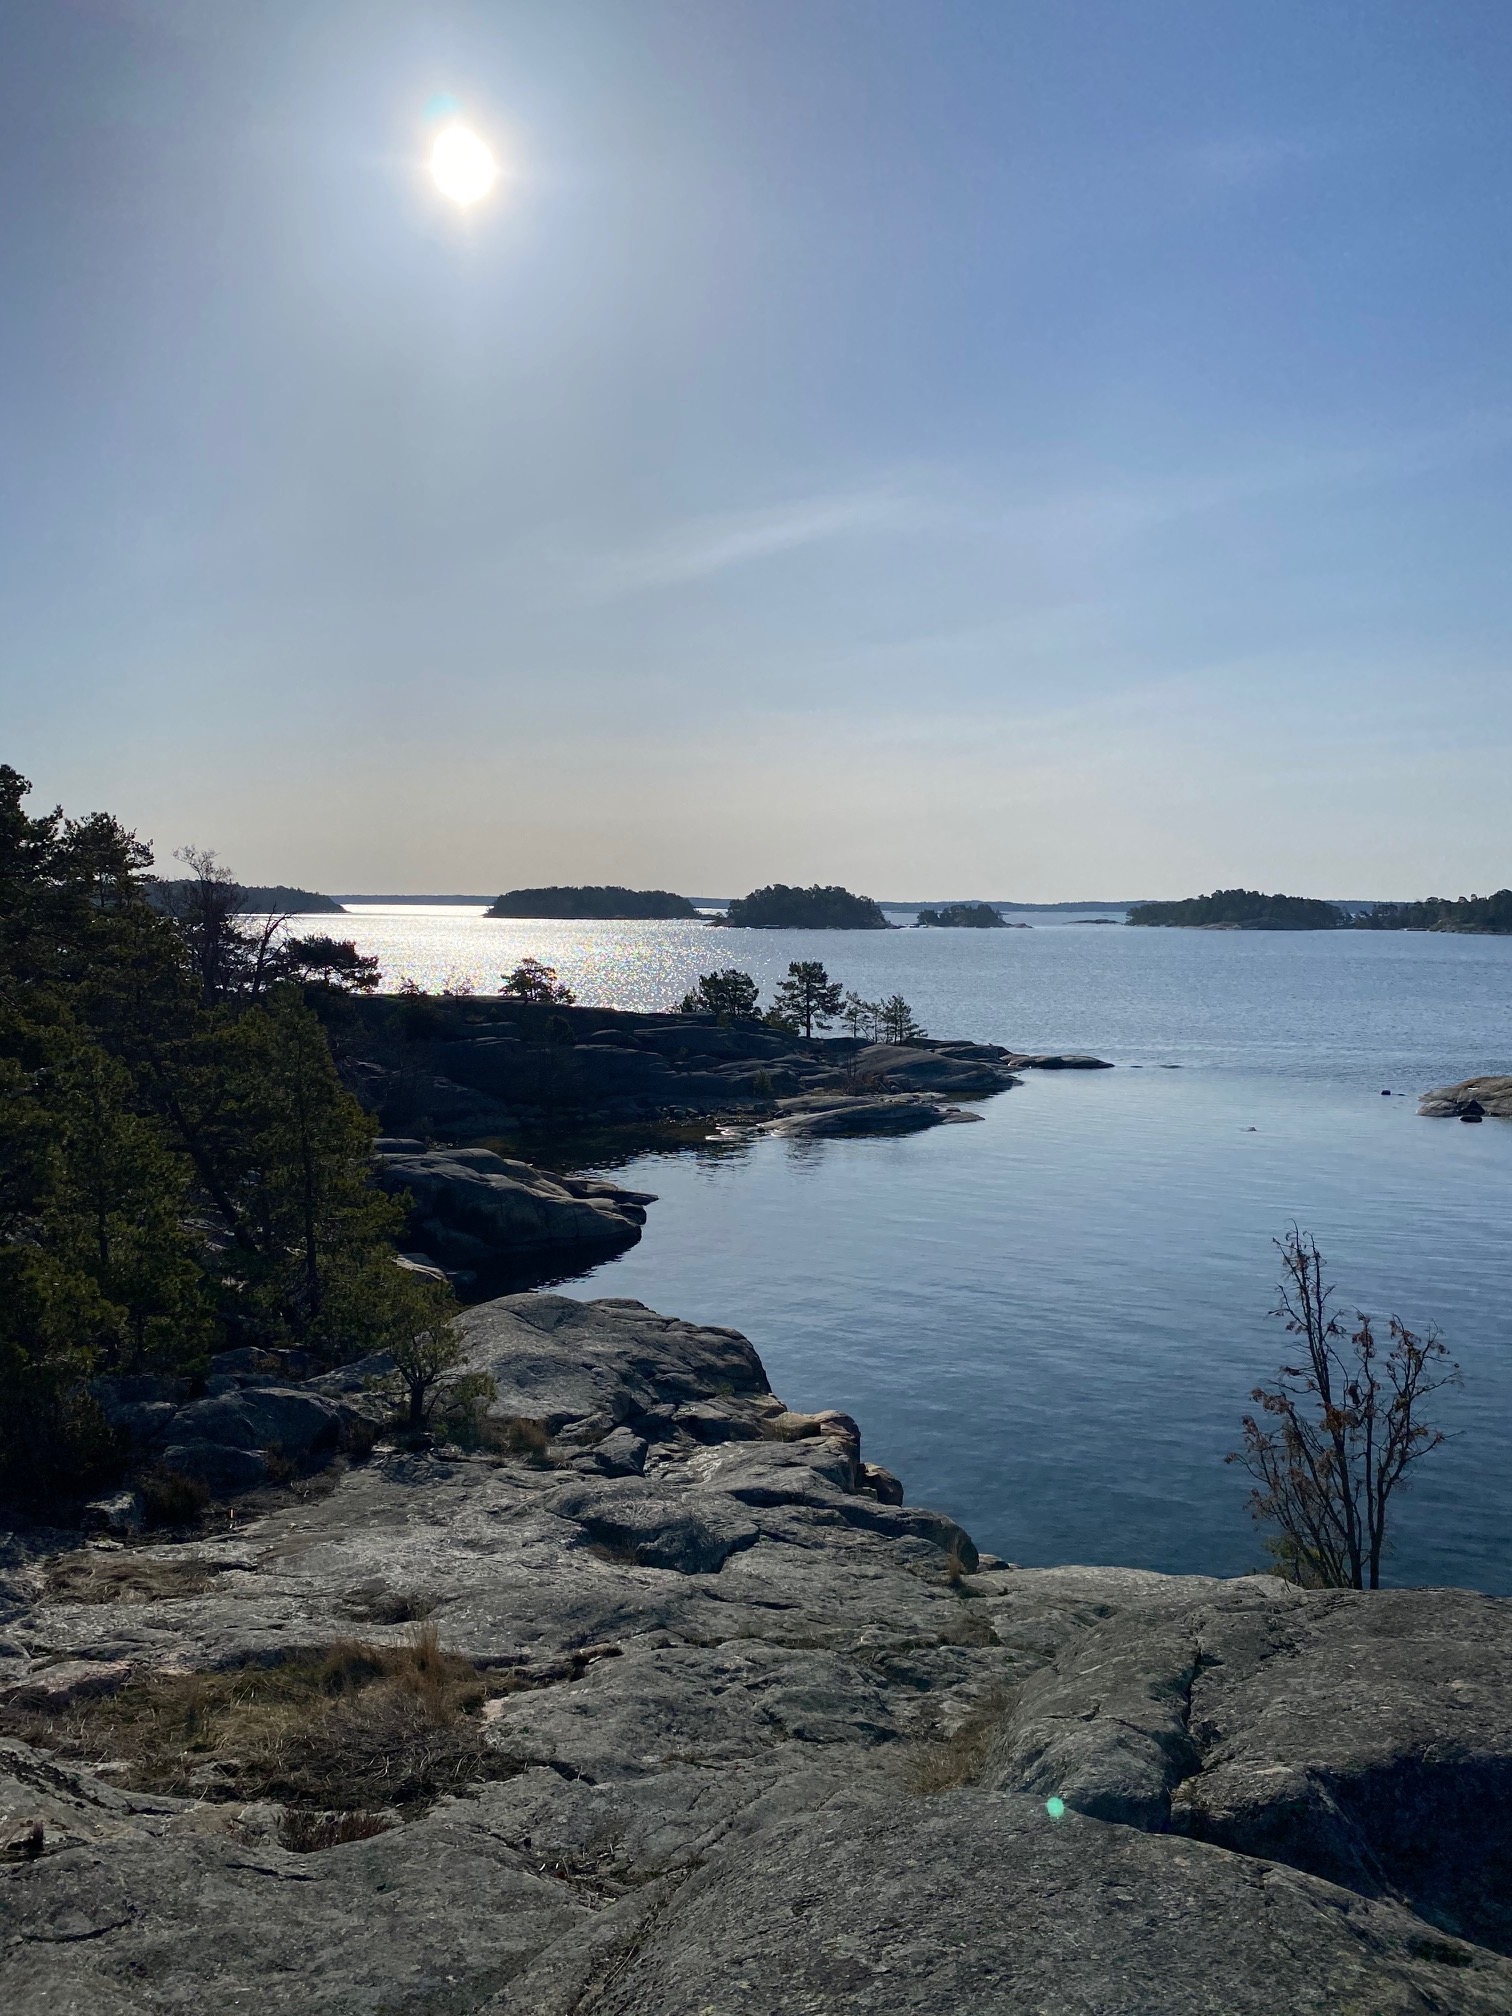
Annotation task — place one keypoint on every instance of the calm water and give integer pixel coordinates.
(1049, 1323)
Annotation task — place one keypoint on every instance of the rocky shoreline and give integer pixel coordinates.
(456, 1080)
(744, 1731)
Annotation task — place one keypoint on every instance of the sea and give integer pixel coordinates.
(1050, 1324)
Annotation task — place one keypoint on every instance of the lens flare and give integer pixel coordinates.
(1056, 1808)
(462, 165)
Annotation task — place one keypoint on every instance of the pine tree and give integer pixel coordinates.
(809, 996)
(730, 993)
(895, 1020)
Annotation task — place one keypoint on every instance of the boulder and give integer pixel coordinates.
(291, 1419)
(1492, 1096)
(221, 1467)
(476, 1209)
(122, 1514)
(557, 1360)
(620, 1454)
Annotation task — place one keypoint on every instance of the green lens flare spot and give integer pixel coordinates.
(1056, 1808)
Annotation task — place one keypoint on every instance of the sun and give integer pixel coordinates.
(462, 165)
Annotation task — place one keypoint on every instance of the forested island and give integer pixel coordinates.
(818, 908)
(1243, 910)
(970, 916)
(1249, 910)
(591, 902)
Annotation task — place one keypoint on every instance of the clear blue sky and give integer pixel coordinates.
(944, 446)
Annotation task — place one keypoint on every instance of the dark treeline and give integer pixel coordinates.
(181, 1169)
(1244, 910)
(1249, 910)
(1441, 913)
(805, 1001)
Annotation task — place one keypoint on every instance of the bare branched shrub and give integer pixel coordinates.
(1338, 1432)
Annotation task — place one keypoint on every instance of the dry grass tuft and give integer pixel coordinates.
(171, 1499)
(957, 1759)
(93, 1575)
(307, 1833)
(517, 1435)
(346, 1730)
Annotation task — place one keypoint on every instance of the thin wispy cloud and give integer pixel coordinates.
(1124, 505)
(1246, 160)
(702, 547)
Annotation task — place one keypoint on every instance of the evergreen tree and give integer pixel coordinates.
(730, 993)
(895, 1020)
(809, 996)
(311, 1251)
(862, 1018)
(531, 981)
(116, 1216)
(173, 1176)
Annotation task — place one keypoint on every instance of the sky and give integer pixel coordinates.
(948, 447)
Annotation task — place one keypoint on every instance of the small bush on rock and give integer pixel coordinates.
(171, 1499)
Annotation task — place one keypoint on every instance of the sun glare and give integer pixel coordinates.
(463, 165)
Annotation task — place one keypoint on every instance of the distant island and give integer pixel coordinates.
(1249, 910)
(973, 916)
(380, 899)
(1243, 910)
(591, 901)
(1488, 915)
(780, 908)
(265, 900)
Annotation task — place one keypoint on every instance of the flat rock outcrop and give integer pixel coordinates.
(748, 1734)
(1493, 1096)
